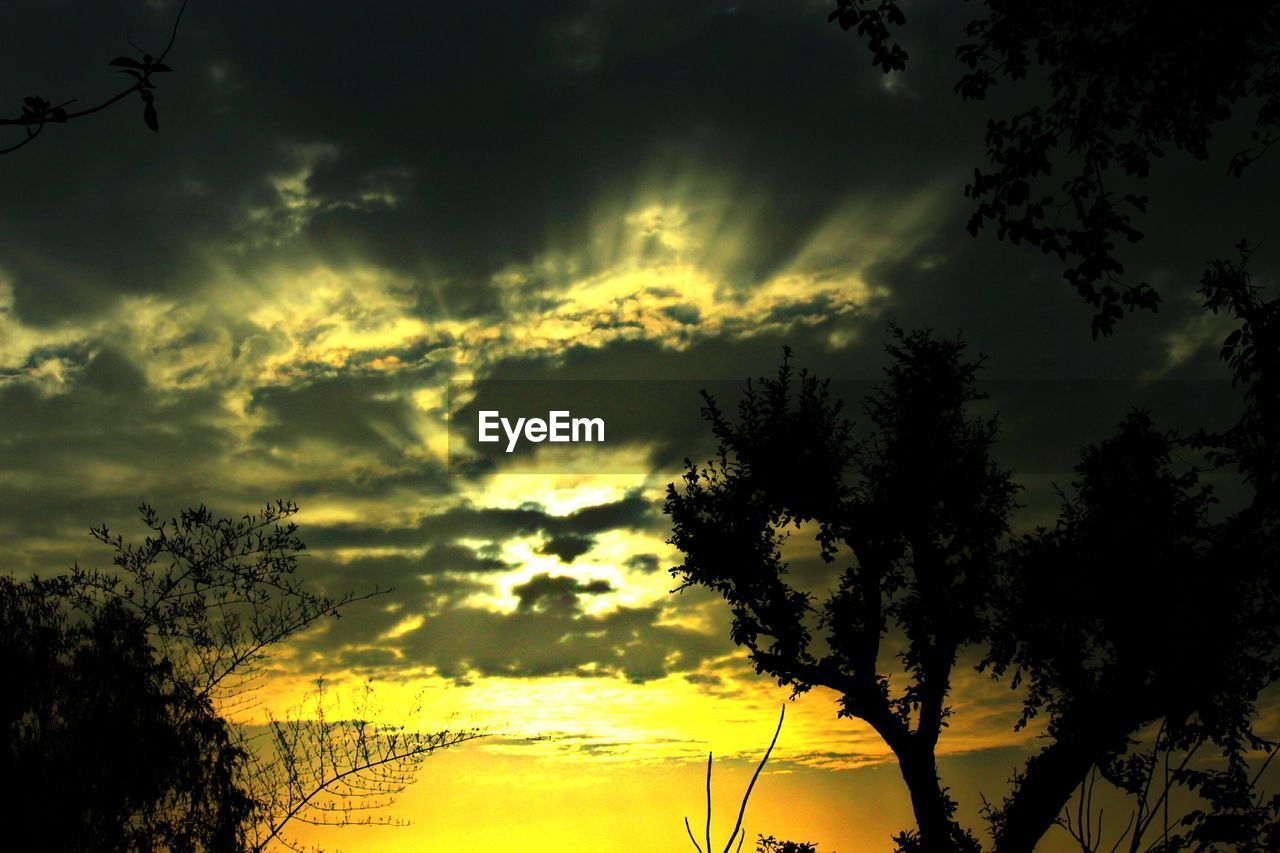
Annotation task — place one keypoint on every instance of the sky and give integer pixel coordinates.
(358, 217)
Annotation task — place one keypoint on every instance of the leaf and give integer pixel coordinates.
(150, 117)
(126, 62)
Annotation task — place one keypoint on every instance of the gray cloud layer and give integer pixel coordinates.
(455, 163)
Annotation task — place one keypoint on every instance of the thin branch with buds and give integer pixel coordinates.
(38, 112)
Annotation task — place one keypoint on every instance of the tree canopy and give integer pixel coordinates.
(104, 748)
(1120, 86)
(124, 682)
(917, 510)
(1144, 605)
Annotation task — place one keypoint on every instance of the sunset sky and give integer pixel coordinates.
(357, 213)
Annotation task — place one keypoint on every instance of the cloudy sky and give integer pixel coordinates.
(356, 214)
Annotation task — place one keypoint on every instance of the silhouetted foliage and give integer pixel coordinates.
(874, 19)
(139, 671)
(344, 771)
(38, 112)
(1135, 608)
(1252, 352)
(1154, 775)
(1140, 602)
(919, 509)
(1145, 606)
(769, 844)
(216, 594)
(1143, 610)
(104, 748)
(1126, 84)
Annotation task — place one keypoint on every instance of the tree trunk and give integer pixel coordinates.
(920, 772)
(1051, 778)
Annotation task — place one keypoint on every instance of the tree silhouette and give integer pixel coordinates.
(1252, 352)
(216, 594)
(1200, 645)
(1155, 775)
(1136, 608)
(38, 112)
(1143, 606)
(104, 748)
(144, 666)
(919, 509)
(1126, 84)
(343, 771)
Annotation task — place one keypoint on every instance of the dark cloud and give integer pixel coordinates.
(568, 547)
(707, 680)
(68, 448)
(440, 563)
(439, 139)
(647, 563)
(632, 512)
(445, 142)
(347, 411)
(452, 557)
(556, 592)
(448, 139)
(461, 642)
